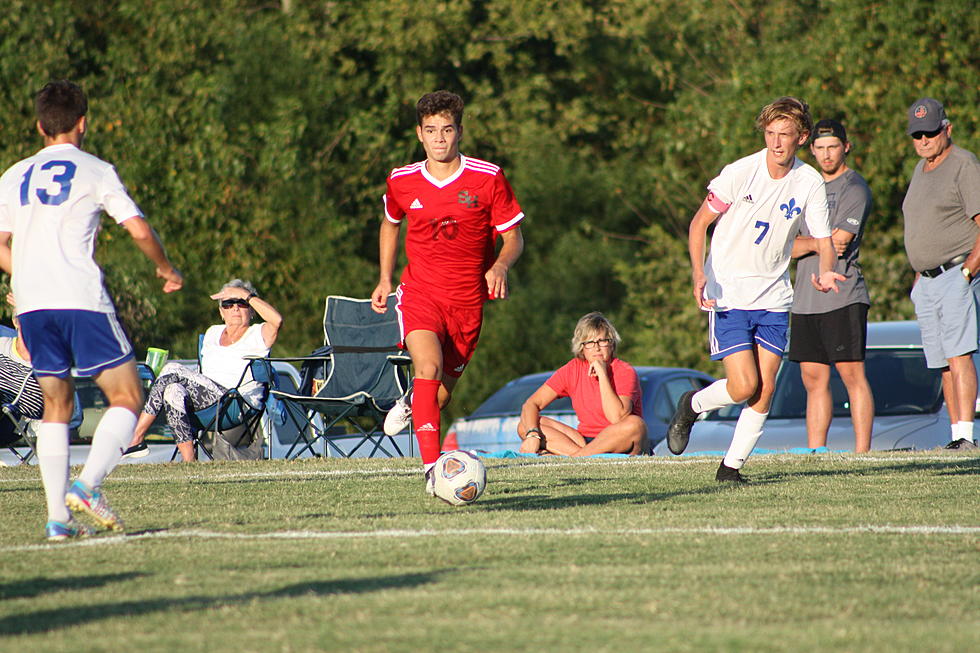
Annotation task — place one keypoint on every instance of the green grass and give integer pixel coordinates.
(826, 552)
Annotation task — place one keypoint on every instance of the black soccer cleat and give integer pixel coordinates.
(726, 474)
(679, 431)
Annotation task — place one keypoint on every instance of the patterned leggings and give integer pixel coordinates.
(181, 390)
(12, 377)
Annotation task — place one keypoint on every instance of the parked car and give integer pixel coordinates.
(909, 408)
(493, 426)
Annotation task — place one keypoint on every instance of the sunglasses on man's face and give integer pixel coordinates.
(228, 303)
(920, 135)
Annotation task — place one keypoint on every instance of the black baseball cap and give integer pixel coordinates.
(827, 127)
(925, 115)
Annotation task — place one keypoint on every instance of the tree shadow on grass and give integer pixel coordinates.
(33, 587)
(70, 616)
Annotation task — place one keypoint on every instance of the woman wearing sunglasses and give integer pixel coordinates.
(605, 393)
(223, 360)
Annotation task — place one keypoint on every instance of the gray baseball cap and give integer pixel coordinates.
(925, 115)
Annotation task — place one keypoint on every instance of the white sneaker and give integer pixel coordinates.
(430, 482)
(398, 418)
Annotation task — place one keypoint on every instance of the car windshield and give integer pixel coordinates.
(509, 399)
(899, 379)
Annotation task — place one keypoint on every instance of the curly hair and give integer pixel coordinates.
(438, 103)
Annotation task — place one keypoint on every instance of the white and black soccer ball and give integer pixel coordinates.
(460, 478)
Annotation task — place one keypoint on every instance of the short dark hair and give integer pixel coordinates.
(59, 105)
(440, 102)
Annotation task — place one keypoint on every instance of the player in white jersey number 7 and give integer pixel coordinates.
(756, 205)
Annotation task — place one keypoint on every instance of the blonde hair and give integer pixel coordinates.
(591, 326)
(789, 108)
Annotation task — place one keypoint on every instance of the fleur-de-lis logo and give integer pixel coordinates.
(792, 210)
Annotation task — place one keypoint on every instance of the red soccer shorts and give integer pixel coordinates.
(458, 328)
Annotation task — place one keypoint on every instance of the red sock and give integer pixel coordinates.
(425, 416)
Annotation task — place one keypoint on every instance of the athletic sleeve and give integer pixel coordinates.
(722, 188)
(815, 212)
(853, 207)
(505, 213)
(114, 198)
(393, 211)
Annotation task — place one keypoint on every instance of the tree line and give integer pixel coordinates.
(256, 137)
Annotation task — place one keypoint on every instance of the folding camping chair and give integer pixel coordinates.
(350, 384)
(16, 426)
(233, 419)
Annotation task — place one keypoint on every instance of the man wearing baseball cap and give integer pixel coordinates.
(942, 240)
(831, 328)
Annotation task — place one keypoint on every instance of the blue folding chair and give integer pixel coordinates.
(350, 384)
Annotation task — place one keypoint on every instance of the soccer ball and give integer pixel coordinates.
(460, 478)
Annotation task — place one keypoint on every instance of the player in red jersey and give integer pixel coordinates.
(455, 206)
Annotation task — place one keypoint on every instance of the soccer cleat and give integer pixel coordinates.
(398, 418)
(137, 451)
(679, 431)
(726, 474)
(430, 482)
(83, 499)
(960, 445)
(59, 531)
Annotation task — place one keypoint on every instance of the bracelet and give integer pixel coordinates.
(250, 296)
(533, 433)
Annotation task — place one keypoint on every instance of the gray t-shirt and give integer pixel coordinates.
(939, 207)
(849, 203)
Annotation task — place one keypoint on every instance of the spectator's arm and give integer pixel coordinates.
(531, 410)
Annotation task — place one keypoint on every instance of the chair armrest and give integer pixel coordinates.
(400, 359)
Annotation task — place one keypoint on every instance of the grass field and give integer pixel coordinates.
(874, 552)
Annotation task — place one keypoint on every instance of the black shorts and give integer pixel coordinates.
(827, 338)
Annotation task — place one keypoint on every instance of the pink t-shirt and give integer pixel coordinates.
(572, 380)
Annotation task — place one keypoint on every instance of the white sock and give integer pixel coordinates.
(112, 437)
(963, 430)
(714, 396)
(748, 430)
(52, 458)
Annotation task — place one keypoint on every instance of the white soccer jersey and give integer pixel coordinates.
(748, 267)
(51, 203)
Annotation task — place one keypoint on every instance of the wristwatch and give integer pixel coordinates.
(966, 273)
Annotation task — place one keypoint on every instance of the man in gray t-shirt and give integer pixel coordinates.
(942, 240)
(831, 328)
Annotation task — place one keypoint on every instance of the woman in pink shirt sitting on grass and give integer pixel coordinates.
(605, 394)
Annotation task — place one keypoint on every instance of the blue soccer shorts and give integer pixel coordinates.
(737, 330)
(61, 338)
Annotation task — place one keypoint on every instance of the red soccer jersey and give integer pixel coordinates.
(452, 226)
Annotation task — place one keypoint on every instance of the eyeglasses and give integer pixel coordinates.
(228, 303)
(601, 342)
(919, 135)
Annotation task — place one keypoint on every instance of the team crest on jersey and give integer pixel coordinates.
(464, 197)
(792, 210)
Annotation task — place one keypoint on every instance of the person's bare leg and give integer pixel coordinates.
(560, 438)
(819, 403)
(862, 402)
(188, 451)
(627, 436)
